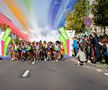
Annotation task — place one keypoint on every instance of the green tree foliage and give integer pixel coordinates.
(75, 19)
(100, 11)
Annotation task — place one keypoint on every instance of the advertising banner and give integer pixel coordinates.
(71, 34)
(69, 47)
(6, 34)
(1, 48)
(69, 42)
(6, 45)
(64, 33)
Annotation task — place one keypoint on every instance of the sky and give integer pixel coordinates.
(41, 16)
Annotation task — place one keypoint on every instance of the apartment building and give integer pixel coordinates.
(100, 31)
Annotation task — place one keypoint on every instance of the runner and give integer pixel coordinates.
(45, 49)
(57, 51)
(19, 51)
(16, 51)
(12, 52)
(41, 57)
(51, 50)
(28, 49)
(61, 50)
(23, 51)
(37, 51)
(34, 51)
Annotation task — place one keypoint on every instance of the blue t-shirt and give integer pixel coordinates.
(75, 44)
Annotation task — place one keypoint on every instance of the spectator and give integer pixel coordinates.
(84, 45)
(96, 46)
(92, 49)
(81, 57)
(75, 46)
(105, 51)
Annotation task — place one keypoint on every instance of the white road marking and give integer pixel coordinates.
(26, 73)
(106, 74)
(99, 70)
(33, 62)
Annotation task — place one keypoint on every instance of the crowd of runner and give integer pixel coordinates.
(29, 51)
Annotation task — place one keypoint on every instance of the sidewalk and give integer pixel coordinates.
(98, 65)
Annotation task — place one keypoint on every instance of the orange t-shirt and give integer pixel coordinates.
(62, 50)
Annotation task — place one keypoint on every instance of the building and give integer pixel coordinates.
(100, 31)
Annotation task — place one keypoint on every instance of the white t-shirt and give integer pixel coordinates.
(81, 55)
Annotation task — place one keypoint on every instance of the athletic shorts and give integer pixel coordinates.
(56, 50)
(15, 51)
(29, 50)
(24, 51)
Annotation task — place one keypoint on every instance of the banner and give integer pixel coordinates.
(1, 48)
(64, 43)
(71, 34)
(6, 45)
(63, 33)
(6, 34)
(69, 44)
(1, 35)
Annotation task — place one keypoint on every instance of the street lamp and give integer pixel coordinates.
(87, 8)
(87, 16)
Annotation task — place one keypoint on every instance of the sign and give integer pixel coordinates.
(88, 21)
(1, 35)
(6, 34)
(64, 33)
(71, 34)
(1, 48)
(6, 45)
(69, 44)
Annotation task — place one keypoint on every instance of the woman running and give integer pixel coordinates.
(37, 51)
(57, 51)
(11, 51)
(45, 50)
(34, 51)
(28, 48)
(41, 51)
(19, 51)
(61, 50)
(16, 51)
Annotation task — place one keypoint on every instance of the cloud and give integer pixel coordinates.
(44, 34)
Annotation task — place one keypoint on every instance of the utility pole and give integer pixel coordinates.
(87, 15)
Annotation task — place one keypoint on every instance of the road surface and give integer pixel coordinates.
(63, 75)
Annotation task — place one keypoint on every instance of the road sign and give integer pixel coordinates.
(88, 21)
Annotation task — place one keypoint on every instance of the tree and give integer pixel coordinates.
(75, 19)
(100, 11)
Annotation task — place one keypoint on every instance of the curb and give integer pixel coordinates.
(104, 66)
(98, 65)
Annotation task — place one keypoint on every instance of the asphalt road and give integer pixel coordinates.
(63, 75)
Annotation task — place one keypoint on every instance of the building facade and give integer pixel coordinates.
(99, 30)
